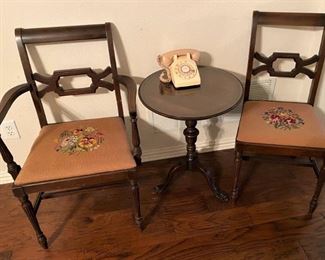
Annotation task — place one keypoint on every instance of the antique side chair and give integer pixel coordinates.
(77, 155)
(289, 129)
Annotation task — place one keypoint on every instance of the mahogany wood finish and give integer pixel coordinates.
(299, 67)
(31, 214)
(219, 92)
(186, 223)
(55, 188)
(246, 150)
(53, 81)
(191, 163)
(287, 19)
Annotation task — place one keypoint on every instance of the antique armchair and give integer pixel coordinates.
(289, 129)
(86, 153)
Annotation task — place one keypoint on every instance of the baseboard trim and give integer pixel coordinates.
(179, 150)
(5, 177)
(161, 153)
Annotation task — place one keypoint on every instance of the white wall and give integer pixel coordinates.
(220, 29)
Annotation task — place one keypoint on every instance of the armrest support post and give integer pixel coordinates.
(131, 98)
(13, 167)
(137, 152)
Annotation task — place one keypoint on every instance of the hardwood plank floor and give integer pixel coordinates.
(185, 223)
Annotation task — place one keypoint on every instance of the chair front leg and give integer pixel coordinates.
(235, 191)
(29, 210)
(319, 186)
(136, 197)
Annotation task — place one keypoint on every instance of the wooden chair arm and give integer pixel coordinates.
(9, 97)
(131, 89)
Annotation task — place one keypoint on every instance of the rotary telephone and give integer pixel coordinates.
(180, 67)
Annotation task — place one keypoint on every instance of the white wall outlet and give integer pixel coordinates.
(9, 130)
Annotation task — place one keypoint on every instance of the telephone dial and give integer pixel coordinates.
(180, 67)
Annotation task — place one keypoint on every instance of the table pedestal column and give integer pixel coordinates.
(191, 133)
(192, 162)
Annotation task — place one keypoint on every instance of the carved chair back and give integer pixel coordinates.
(267, 63)
(64, 34)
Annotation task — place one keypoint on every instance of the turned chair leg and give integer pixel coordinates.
(136, 197)
(319, 186)
(29, 210)
(235, 191)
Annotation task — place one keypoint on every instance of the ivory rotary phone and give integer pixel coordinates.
(180, 67)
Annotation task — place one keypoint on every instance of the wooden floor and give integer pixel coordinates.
(186, 223)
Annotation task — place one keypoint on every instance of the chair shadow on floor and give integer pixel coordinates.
(66, 219)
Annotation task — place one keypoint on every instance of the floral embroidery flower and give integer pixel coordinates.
(87, 143)
(79, 140)
(283, 118)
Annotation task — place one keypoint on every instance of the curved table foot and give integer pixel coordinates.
(191, 133)
(169, 178)
(211, 179)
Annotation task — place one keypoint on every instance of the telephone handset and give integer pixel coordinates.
(180, 67)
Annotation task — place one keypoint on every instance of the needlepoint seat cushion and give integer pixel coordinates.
(77, 148)
(281, 123)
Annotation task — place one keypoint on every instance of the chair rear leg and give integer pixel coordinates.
(29, 210)
(136, 198)
(319, 186)
(235, 191)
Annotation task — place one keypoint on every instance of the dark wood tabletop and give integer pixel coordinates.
(219, 92)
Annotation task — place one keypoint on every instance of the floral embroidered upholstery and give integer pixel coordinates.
(282, 118)
(81, 139)
(262, 123)
(75, 156)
